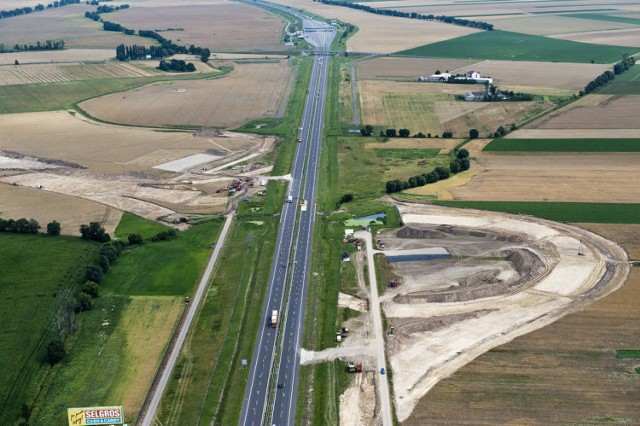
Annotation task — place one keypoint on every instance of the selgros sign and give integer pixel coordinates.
(96, 416)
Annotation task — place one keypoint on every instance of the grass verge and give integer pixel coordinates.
(132, 224)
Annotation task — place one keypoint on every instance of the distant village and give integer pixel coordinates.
(491, 93)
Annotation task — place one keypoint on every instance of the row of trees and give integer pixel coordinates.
(38, 8)
(136, 52)
(413, 15)
(46, 45)
(604, 78)
(403, 133)
(103, 9)
(459, 164)
(177, 65)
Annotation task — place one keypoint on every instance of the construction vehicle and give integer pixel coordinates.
(394, 283)
(354, 367)
(359, 367)
(274, 318)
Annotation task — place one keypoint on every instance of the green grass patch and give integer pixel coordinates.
(506, 45)
(563, 145)
(603, 17)
(34, 270)
(165, 268)
(133, 224)
(562, 212)
(407, 153)
(628, 353)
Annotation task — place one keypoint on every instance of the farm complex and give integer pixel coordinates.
(319, 212)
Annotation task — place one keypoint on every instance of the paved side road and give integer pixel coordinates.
(374, 304)
(150, 415)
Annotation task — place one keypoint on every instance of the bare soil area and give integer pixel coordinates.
(54, 73)
(508, 277)
(58, 56)
(609, 112)
(222, 26)
(45, 206)
(225, 102)
(564, 373)
(610, 178)
(624, 37)
(63, 23)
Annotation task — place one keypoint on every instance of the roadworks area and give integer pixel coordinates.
(507, 276)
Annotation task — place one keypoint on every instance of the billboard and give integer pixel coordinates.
(96, 416)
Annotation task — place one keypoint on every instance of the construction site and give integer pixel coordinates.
(457, 284)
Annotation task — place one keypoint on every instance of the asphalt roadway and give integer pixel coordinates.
(264, 363)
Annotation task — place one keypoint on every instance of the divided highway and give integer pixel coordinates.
(269, 359)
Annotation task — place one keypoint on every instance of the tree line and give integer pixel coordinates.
(459, 164)
(38, 8)
(166, 48)
(403, 133)
(413, 15)
(104, 9)
(177, 65)
(604, 78)
(40, 45)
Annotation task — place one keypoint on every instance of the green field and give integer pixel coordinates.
(561, 212)
(563, 145)
(602, 17)
(505, 45)
(132, 224)
(407, 153)
(627, 83)
(164, 268)
(34, 270)
(628, 353)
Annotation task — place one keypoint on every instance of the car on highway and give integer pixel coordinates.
(382, 370)
(280, 385)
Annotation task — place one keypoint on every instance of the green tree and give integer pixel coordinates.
(367, 130)
(442, 172)
(462, 153)
(90, 288)
(346, 198)
(447, 134)
(205, 55)
(404, 133)
(53, 228)
(93, 273)
(103, 262)
(135, 239)
(454, 167)
(473, 134)
(16, 62)
(94, 232)
(55, 351)
(85, 302)
(390, 133)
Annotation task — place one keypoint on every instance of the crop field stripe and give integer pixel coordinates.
(506, 45)
(608, 18)
(563, 145)
(559, 211)
(628, 353)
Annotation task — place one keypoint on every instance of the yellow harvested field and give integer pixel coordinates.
(104, 148)
(510, 74)
(573, 133)
(45, 206)
(476, 146)
(548, 24)
(626, 37)
(57, 56)
(63, 23)
(226, 26)
(616, 112)
(445, 145)
(55, 73)
(440, 190)
(609, 178)
(386, 68)
(383, 34)
(405, 105)
(142, 334)
(225, 102)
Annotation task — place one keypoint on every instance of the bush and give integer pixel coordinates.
(90, 288)
(473, 134)
(135, 239)
(463, 153)
(55, 351)
(103, 262)
(53, 228)
(447, 135)
(94, 232)
(93, 273)
(110, 252)
(165, 235)
(85, 302)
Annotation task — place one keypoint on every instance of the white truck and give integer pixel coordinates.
(290, 199)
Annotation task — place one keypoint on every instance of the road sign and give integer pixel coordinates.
(96, 416)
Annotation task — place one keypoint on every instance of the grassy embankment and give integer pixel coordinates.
(510, 46)
(122, 339)
(563, 145)
(66, 95)
(34, 271)
(209, 382)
